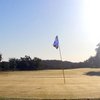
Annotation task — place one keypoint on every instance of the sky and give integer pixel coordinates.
(29, 27)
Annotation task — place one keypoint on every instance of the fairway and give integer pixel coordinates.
(49, 84)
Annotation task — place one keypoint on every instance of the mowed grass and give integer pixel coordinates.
(49, 84)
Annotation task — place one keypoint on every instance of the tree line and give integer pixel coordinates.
(24, 63)
(91, 62)
(94, 61)
(27, 63)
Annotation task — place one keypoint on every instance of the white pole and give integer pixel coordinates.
(61, 62)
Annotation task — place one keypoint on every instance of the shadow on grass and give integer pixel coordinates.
(93, 73)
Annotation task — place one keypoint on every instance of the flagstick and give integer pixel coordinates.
(63, 68)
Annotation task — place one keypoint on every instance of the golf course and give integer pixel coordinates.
(82, 83)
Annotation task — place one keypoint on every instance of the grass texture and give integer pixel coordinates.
(83, 83)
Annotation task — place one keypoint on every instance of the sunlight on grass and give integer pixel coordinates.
(49, 84)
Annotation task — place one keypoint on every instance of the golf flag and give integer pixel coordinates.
(56, 42)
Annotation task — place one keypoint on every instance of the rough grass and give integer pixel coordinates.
(49, 84)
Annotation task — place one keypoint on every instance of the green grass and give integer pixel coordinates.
(49, 84)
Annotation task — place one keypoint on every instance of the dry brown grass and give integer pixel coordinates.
(49, 84)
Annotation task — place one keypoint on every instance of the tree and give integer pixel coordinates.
(36, 62)
(12, 63)
(98, 51)
(4, 66)
(94, 61)
(0, 57)
(0, 62)
(97, 57)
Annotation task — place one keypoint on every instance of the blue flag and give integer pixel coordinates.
(56, 42)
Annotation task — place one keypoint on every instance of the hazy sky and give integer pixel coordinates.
(29, 27)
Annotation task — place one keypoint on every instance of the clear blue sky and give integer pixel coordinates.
(29, 27)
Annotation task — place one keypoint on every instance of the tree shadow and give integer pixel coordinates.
(93, 73)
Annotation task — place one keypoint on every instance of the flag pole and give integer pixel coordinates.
(63, 68)
(56, 45)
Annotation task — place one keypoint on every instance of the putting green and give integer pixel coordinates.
(49, 84)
